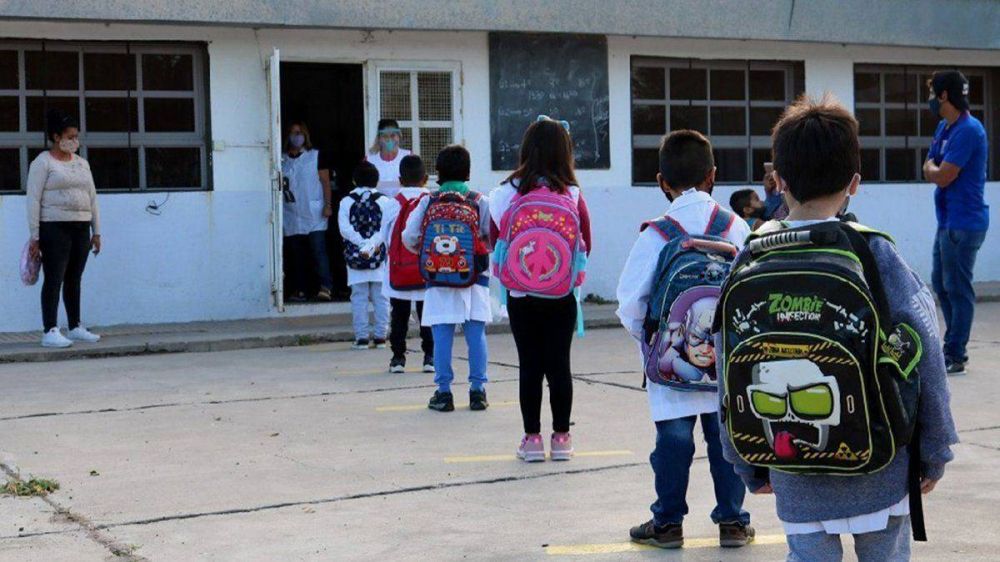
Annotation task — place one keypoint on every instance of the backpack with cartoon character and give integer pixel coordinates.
(677, 346)
(366, 219)
(816, 380)
(452, 253)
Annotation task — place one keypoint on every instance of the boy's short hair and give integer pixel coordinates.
(685, 158)
(411, 169)
(815, 148)
(365, 175)
(739, 200)
(453, 163)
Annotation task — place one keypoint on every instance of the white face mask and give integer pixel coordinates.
(69, 145)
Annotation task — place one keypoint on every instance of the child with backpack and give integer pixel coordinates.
(667, 295)
(361, 218)
(543, 229)
(449, 230)
(833, 393)
(404, 285)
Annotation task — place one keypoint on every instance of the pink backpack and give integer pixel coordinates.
(541, 250)
(29, 266)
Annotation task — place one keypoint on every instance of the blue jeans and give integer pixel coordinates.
(954, 259)
(361, 295)
(317, 243)
(475, 338)
(891, 544)
(671, 460)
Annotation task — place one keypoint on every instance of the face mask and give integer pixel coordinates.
(297, 140)
(389, 145)
(935, 106)
(758, 212)
(69, 145)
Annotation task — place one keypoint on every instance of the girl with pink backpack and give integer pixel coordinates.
(542, 238)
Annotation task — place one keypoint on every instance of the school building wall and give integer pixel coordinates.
(207, 256)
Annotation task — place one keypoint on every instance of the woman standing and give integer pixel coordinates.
(386, 154)
(64, 226)
(307, 210)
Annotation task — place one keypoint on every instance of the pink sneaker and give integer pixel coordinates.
(562, 446)
(531, 449)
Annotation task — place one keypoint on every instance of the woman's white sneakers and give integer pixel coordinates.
(84, 335)
(54, 338)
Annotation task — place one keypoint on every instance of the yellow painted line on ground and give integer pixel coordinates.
(618, 547)
(418, 407)
(498, 458)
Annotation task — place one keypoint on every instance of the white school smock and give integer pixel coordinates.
(305, 215)
(448, 305)
(388, 171)
(500, 200)
(409, 193)
(693, 209)
(355, 276)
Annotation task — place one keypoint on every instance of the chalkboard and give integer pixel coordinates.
(564, 76)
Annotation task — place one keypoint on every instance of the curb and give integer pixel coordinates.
(235, 343)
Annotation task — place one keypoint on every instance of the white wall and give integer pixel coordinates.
(207, 256)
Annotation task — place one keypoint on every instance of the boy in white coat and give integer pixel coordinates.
(446, 307)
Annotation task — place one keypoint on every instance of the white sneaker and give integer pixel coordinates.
(54, 338)
(82, 334)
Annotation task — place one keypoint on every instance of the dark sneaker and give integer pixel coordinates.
(379, 343)
(442, 402)
(397, 364)
(955, 369)
(736, 534)
(477, 400)
(428, 364)
(360, 344)
(667, 536)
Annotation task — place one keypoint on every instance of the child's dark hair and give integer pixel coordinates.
(739, 200)
(546, 153)
(56, 123)
(412, 170)
(453, 163)
(685, 159)
(366, 175)
(815, 148)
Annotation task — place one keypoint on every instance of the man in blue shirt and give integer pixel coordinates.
(956, 163)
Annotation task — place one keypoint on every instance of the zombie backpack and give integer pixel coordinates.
(677, 347)
(404, 265)
(452, 253)
(540, 250)
(816, 378)
(365, 216)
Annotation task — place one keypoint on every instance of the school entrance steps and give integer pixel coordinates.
(284, 331)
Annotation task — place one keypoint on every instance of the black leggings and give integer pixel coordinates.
(543, 332)
(64, 248)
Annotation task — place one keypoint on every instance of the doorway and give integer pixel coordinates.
(329, 98)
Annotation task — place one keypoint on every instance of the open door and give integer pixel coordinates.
(277, 199)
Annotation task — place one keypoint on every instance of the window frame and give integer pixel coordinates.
(917, 143)
(374, 110)
(748, 141)
(27, 140)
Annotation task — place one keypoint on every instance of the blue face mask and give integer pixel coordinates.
(935, 106)
(389, 145)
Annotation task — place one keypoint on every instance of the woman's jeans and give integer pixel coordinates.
(475, 338)
(671, 460)
(64, 247)
(299, 265)
(954, 259)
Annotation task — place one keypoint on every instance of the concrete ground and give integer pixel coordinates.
(315, 453)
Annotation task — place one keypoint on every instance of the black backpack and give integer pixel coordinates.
(816, 380)
(365, 217)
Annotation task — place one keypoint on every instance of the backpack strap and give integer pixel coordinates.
(720, 222)
(868, 231)
(668, 228)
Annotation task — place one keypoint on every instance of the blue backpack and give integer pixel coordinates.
(366, 219)
(677, 348)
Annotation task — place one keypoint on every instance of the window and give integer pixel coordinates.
(423, 101)
(141, 107)
(890, 103)
(735, 103)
